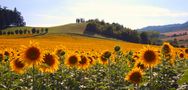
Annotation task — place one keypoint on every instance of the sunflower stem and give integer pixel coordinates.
(10, 76)
(109, 76)
(47, 78)
(10, 79)
(136, 86)
(33, 77)
(151, 78)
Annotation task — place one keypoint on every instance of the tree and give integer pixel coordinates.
(8, 33)
(77, 20)
(12, 33)
(82, 20)
(37, 31)
(91, 29)
(33, 30)
(4, 33)
(46, 30)
(28, 31)
(20, 31)
(16, 31)
(10, 18)
(25, 31)
(42, 30)
(144, 38)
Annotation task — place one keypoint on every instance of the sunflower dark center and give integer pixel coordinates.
(33, 53)
(19, 64)
(107, 54)
(186, 51)
(103, 59)
(91, 60)
(73, 60)
(149, 56)
(136, 56)
(60, 52)
(136, 77)
(141, 66)
(49, 59)
(166, 49)
(7, 53)
(181, 55)
(83, 60)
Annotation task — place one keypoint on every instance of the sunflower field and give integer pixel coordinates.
(32, 67)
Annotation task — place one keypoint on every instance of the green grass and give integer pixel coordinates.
(73, 29)
(77, 28)
(17, 28)
(69, 28)
(184, 78)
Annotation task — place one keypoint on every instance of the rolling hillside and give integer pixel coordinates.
(181, 36)
(166, 28)
(70, 35)
(69, 28)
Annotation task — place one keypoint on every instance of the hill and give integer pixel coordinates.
(68, 29)
(71, 36)
(77, 28)
(181, 36)
(166, 28)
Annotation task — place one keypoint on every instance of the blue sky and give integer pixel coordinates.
(130, 13)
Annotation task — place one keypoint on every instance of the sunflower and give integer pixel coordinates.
(103, 60)
(50, 63)
(91, 60)
(1, 56)
(139, 65)
(8, 54)
(135, 56)
(181, 55)
(32, 54)
(17, 66)
(134, 76)
(83, 62)
(105, 57)
(72, 60)
(186, 52)
(149, 56)
(172, 58)
(167, 48)
(60, 51)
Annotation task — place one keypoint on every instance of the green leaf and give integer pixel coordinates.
(184, 78)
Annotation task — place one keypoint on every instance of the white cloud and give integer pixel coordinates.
(49, 20)
(133, 16)
(130, 15)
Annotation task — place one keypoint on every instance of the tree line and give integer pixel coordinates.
(10, 17)
(25, 31)
(115, 30)
(80, 20)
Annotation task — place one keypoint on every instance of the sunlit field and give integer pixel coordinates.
(93, 45)
(71, 42)
(75, 62)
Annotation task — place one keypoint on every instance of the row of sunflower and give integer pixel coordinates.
(48, 61)
(149, 58)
